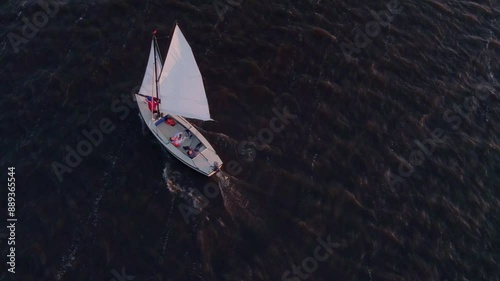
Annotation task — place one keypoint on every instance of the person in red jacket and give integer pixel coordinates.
(177, 139)
(152, 104)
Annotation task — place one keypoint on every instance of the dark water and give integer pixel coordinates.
(324, 175)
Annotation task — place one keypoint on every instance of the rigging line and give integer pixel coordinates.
(156, 71)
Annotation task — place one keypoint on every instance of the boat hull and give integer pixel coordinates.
(207, 162)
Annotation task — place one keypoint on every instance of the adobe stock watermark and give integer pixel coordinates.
(425, 148)
(49, 9)
(310, 264)
(223, 6)
(94, 137)
(121, 277)
(372, 29)
(265, 135)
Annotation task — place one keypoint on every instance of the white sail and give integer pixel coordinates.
(181, 85)
(148, 87)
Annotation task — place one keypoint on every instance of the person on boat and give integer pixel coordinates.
(177, 139)
(192, 153)
(152, 104)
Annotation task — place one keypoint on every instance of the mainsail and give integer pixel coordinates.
(148, 87)
(181, 85)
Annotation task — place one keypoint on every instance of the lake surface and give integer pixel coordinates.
(321, 108)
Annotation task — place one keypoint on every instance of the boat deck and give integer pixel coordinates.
(192, 141)
(206, 162)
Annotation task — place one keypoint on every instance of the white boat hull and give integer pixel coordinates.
(207, 162)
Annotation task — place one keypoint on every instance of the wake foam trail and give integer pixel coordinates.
(488, 58)
(185, 192)
(67, 260)
(172, 179)
(85, 232)
(249, 215)
(239, 206)
(167, 227)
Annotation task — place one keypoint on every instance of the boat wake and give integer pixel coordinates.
(238, 204)
(488, 58)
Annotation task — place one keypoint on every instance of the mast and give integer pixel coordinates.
(156, 74)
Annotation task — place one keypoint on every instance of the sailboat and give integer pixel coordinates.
(172, 91)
